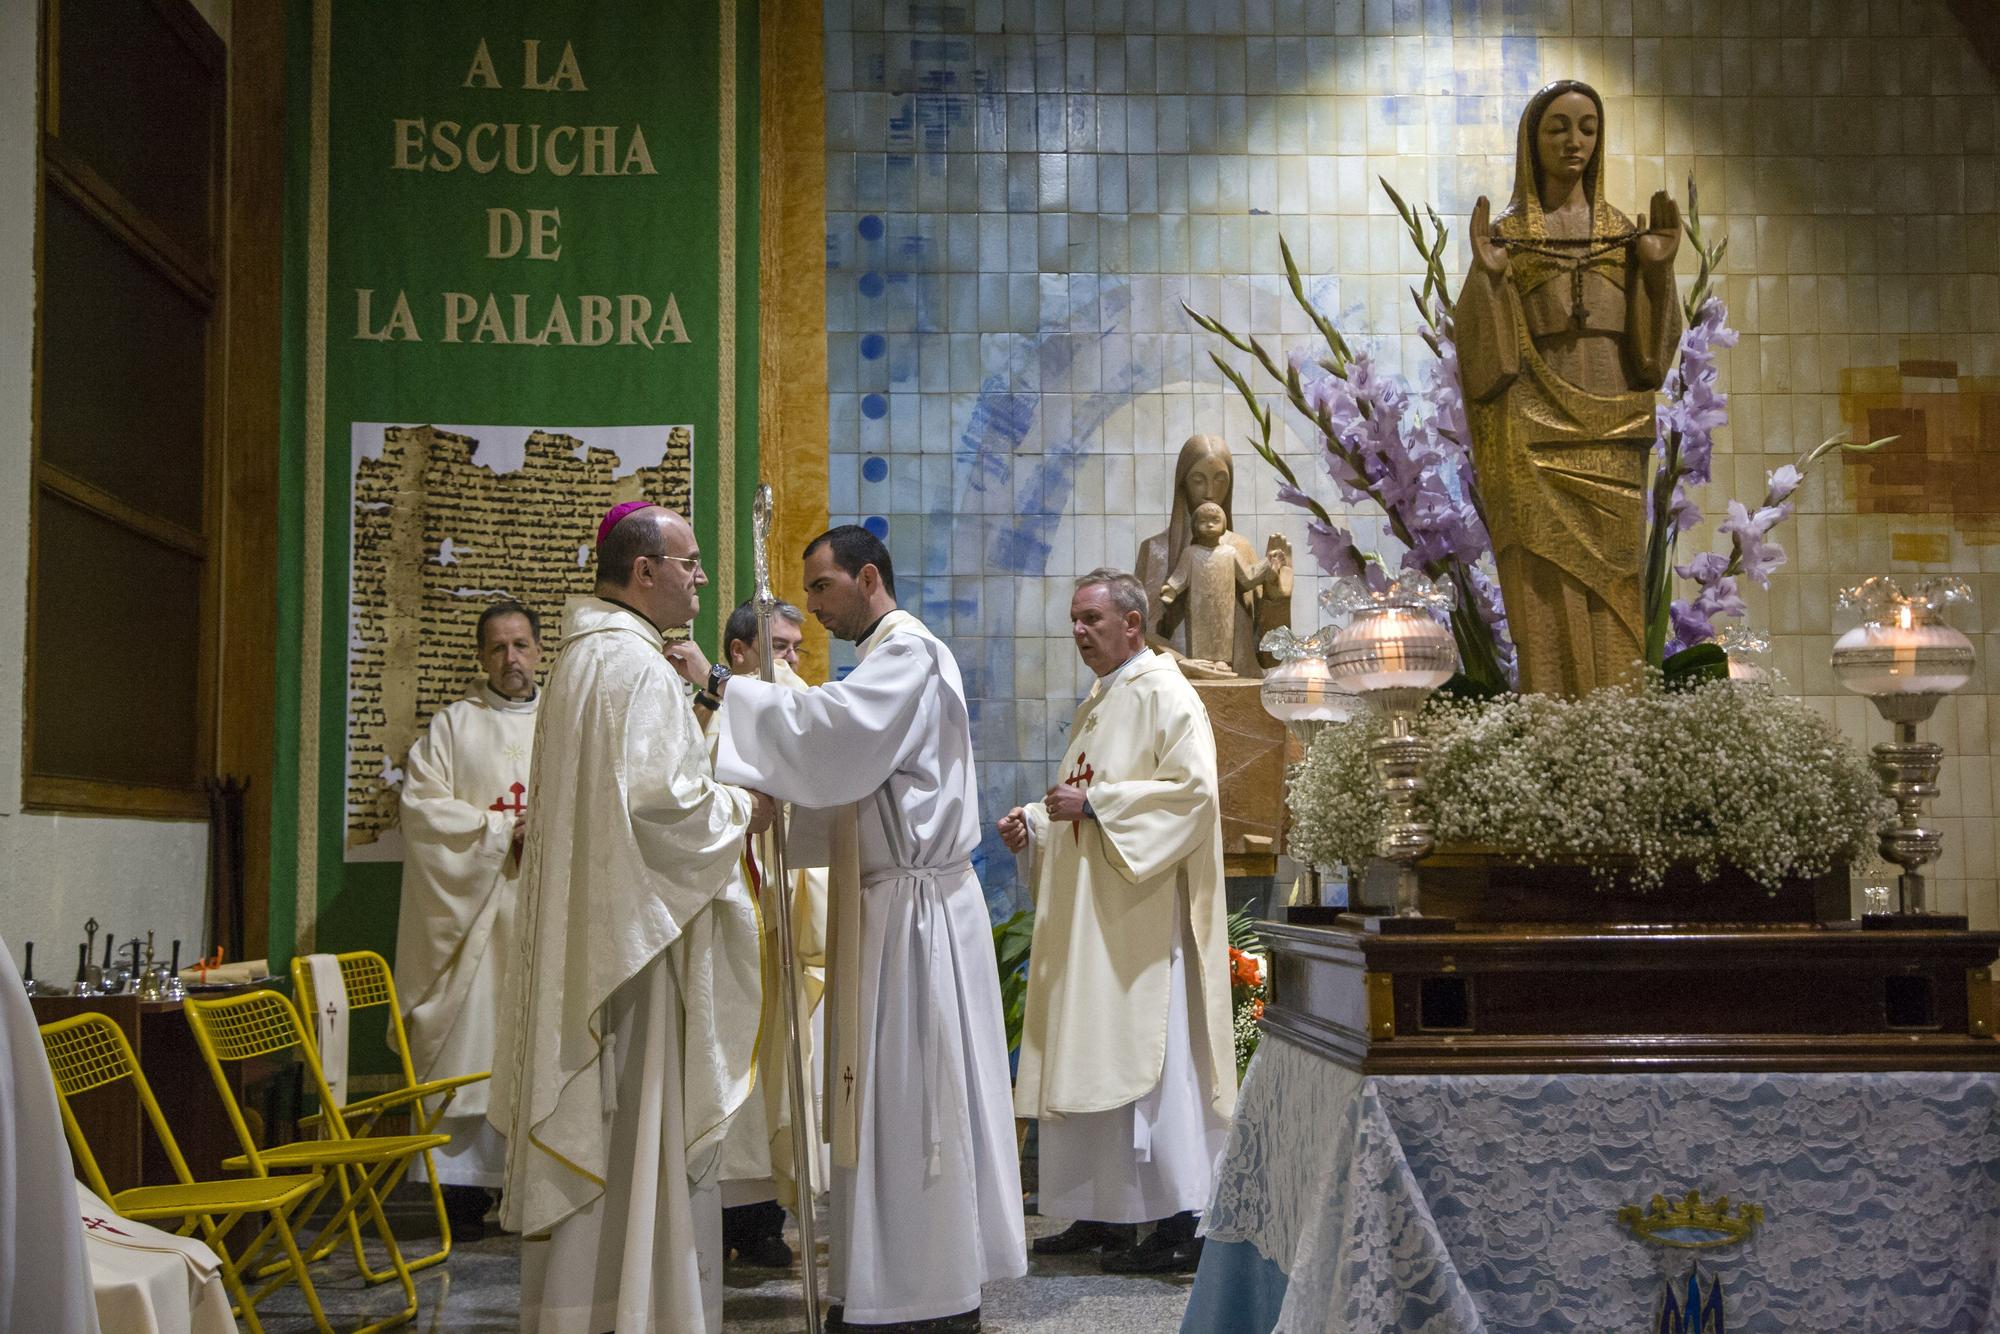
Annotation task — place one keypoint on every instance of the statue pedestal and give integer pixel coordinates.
(1544, 974)
(1250, 773)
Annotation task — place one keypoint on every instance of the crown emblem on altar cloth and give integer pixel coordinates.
(1692, 1224)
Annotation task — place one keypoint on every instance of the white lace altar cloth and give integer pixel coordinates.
(1453, 1204)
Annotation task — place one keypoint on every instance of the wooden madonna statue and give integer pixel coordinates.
(1566, 327)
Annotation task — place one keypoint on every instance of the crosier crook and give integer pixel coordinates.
(773, 860)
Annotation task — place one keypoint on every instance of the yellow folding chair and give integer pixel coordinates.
(89, 1051)
(263, 1023)
(369, 983)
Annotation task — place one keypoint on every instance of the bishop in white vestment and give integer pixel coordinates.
(632, 1016)
(926, 1180)
(1127, 1049)
(465, 800)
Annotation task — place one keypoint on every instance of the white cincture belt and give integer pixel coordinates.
(933, 928)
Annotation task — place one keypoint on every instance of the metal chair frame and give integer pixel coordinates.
(369, 983)
(262, 1023)
(90, 1051)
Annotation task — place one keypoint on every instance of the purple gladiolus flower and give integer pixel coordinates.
(1334, 549)
(1762, 521)
(1705, 568)
(1406, 452)
(1780, 483)
(1690, 627)
(1759, 559)
(1682, 512)
(1720, 599)
(1291, 495)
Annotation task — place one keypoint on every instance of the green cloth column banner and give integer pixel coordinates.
(520, 288)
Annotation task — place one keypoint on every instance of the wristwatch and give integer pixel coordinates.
(716, 676)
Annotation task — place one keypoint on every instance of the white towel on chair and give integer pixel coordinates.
(330, 1021)
(151, 1282)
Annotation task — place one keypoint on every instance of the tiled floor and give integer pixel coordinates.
(478, 1292)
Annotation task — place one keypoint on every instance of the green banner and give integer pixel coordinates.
(513, 298)
(522, 212)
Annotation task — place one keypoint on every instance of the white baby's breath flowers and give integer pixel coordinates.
(1627, 780)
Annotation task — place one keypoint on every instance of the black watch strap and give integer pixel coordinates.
(716, 676)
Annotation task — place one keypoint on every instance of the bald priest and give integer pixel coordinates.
(632, 1026)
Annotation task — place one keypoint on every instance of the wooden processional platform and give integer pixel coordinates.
(1543, 973)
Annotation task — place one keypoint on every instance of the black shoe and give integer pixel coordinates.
(1085, 1236)
(465, 1208)
(744, 1224)
(764, 1253)
(1170, 1248)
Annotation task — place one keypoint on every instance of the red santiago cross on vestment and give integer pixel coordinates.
(1079, 776)
(517, 807)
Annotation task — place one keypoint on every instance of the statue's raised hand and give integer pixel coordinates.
(1488, 255)
(1662, 240)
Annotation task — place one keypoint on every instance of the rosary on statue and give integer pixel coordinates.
(1574, 256)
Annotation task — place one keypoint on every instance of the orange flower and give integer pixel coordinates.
(1243, 970)
(1256, 1009)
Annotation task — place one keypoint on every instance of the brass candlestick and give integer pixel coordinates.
(151, 987)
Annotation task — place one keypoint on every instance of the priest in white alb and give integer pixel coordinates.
(759, 1178)
(926, 1181)
(631, 1020)
(45, 1282)
(464, 816)
(1127, 1047)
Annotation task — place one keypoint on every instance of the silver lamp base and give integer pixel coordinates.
(1906, 772)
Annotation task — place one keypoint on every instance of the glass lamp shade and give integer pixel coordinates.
(1393, 648)
(1747, 670)
(1749, 655)
(1302, 690)
(1910, 654)
(1751, 665)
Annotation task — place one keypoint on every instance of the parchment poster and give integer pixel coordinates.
(447, 521)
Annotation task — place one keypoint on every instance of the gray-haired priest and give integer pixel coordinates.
(926, 1182)
(757, 1168)
(1127, 1053)
(464, 817)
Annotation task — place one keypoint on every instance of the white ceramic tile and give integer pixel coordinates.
(1118, 157)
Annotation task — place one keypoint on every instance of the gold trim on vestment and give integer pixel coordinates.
(589, 1176)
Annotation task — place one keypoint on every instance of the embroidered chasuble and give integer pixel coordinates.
(633, 1001)
(926, 1181)
(465, 789)
(1127, 1044)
